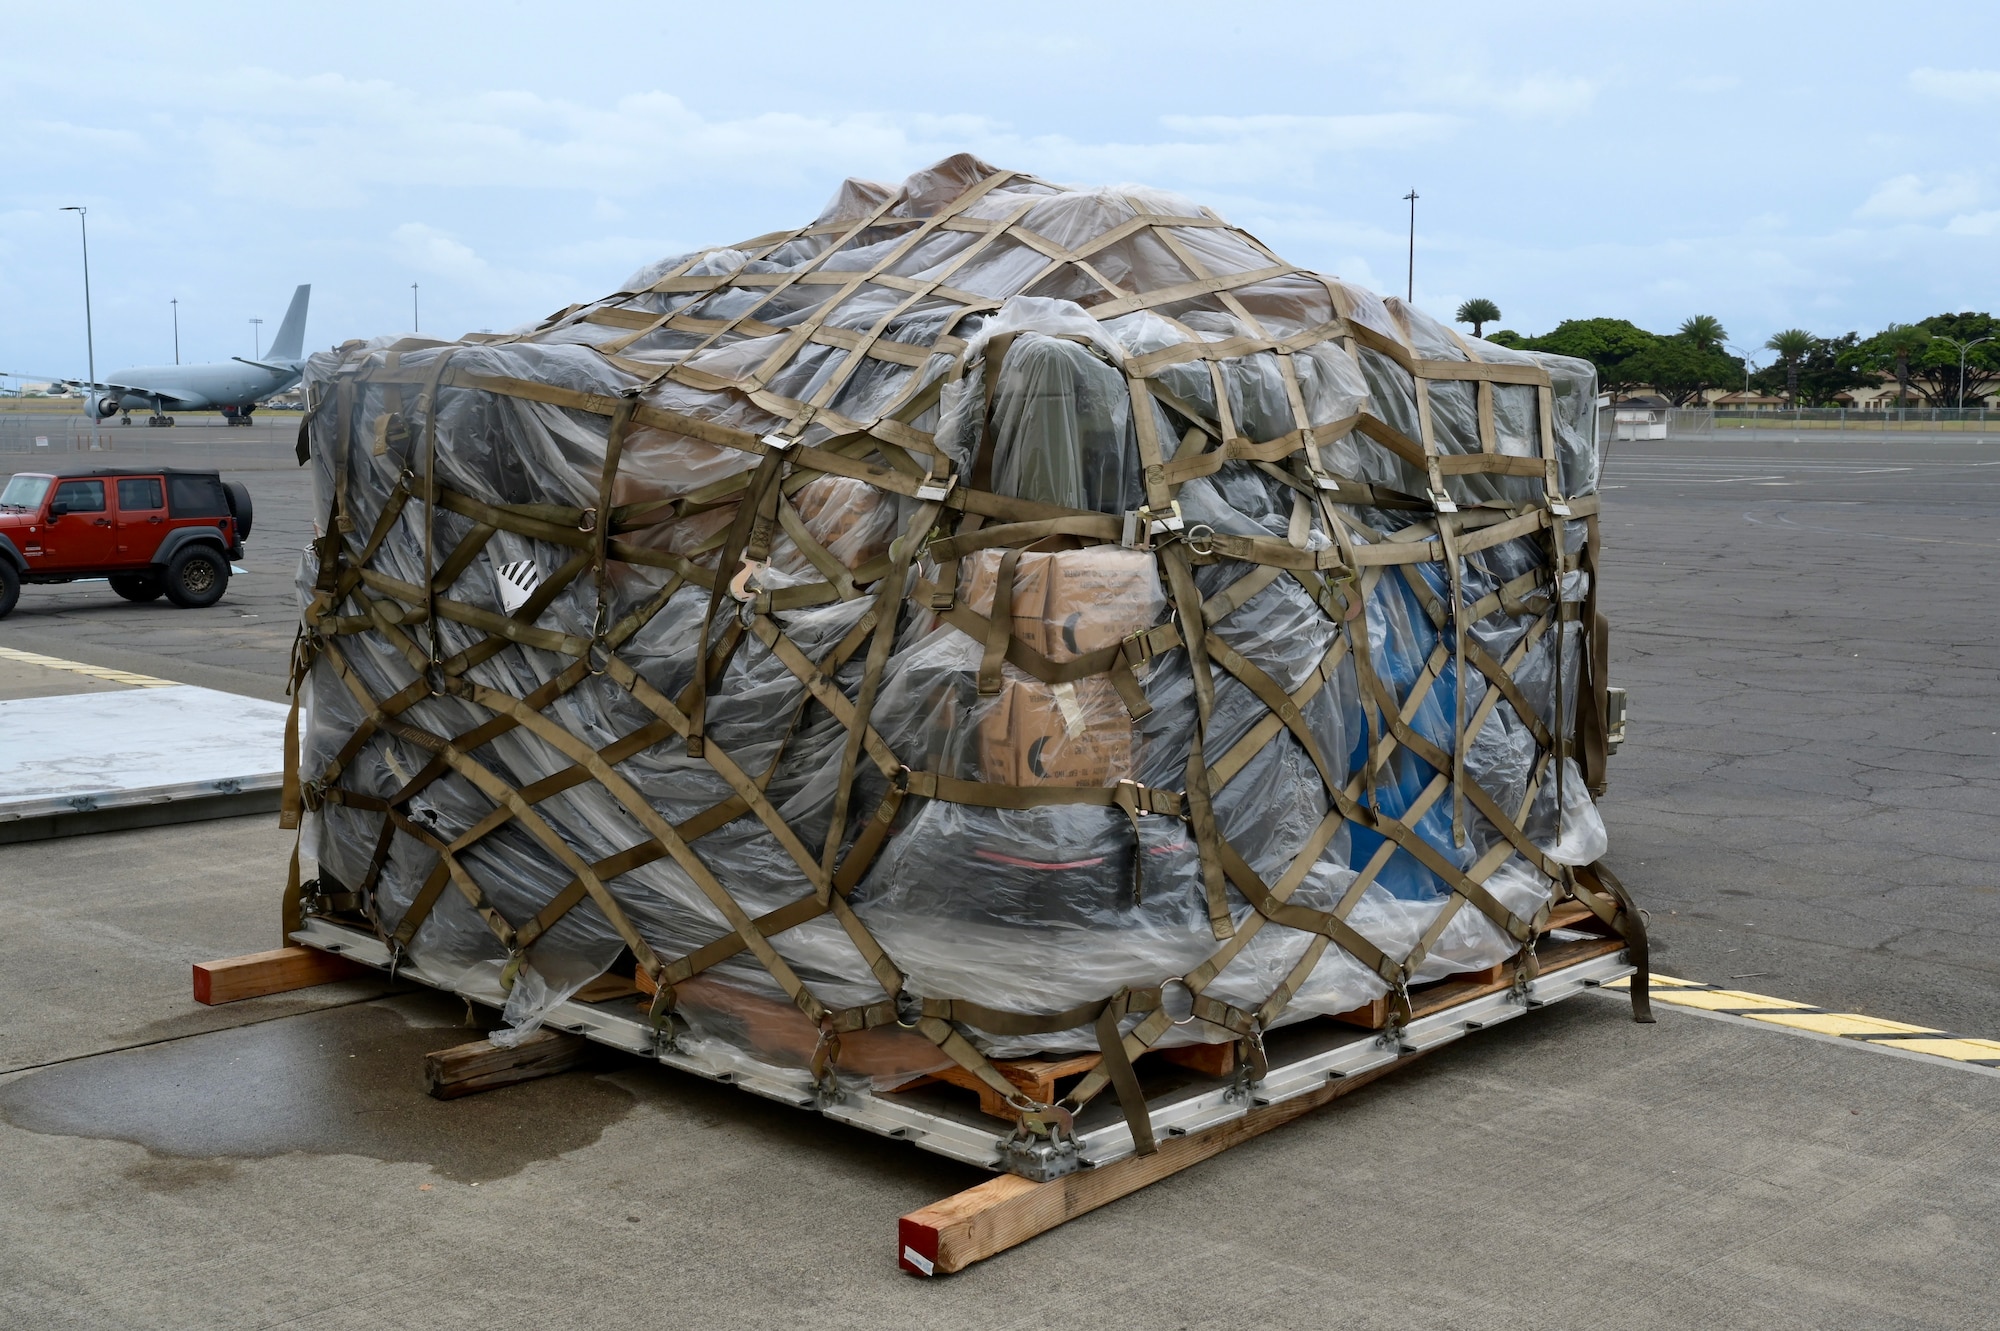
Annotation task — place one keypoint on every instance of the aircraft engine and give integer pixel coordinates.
(104, 406)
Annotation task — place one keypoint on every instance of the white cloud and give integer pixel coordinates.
(1975, 224)
(1969, 87)
(1535, 97)
(358, 136)
(1908, 198)
(439, 255)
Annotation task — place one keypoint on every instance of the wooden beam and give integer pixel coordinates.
(1211, 1060)
(1006, 1210)
(467, 1069)
(275, 972)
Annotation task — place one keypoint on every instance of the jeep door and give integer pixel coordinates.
(83, 538)
(142, 518)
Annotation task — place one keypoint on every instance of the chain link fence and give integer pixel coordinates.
(1717, 423)
(27, 435)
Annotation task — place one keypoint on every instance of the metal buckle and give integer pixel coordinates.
(932, 492)
(1187, 989)
(739, 585)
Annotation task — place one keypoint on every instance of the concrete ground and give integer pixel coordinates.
(1804, 807)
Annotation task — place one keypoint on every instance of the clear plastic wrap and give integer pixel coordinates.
(666, 635)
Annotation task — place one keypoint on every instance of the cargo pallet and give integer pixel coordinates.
(1195, 1112)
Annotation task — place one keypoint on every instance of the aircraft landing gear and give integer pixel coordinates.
(157, 419)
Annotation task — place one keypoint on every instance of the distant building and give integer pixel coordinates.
(1741, 401)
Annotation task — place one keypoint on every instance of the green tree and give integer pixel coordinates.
(1478, 312)
(1605, 343)
(1679, 369)
(1791, 345)
(1507, 337)
(1829, 367)
(1936, 368)
(1705, 331)
(1894, 348)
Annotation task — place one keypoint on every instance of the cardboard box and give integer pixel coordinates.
(851, 518)
(1071, 602)
(1036, 734)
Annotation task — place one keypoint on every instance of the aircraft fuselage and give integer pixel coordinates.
(230, 385)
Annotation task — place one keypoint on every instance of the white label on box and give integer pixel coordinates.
(1072, 710)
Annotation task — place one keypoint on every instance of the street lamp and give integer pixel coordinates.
(1410, 291)
(1963, 347)
(416, 323)
(1748, 365)
(176, 303)
(256, 337)
(89, 333)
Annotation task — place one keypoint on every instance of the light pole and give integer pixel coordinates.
(1410, 290)
(176, 303)
(89, 333)
(416, 324)
(1748, 365)
(256, 337)
(1963, 347)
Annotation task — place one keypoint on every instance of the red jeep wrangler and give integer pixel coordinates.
(152, 533)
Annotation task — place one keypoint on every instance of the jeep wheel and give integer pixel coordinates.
(196, 577)
(137, 586)
(10, 587)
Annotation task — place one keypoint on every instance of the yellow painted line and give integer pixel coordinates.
(1840, 1023)
(1952, 1047)
(1724, 1000)
(79, 668)
(1869, 1032)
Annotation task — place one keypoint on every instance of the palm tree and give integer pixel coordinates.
(1705, 331)
(1478, 312)
(1790, 345)
(1900, 342)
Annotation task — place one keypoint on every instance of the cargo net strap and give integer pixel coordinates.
(729, 327)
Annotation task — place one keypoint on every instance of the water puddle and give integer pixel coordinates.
(346, 1081)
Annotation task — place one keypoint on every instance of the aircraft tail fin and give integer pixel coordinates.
(291, 335)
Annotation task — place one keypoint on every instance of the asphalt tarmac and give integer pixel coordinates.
(1805, 807)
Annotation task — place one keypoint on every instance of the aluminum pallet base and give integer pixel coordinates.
(981, 1141)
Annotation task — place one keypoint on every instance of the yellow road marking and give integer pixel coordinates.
(79, 668)
(1858, 1027)
(1724, 1000)
(1841, 1023)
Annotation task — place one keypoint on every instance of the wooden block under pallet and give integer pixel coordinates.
(482, 1065)
(275, 972)
(1214, 1060)
(1037, 1078)
(952, 1234)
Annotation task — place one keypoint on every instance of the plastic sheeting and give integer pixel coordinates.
(1037, 399)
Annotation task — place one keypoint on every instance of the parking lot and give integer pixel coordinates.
(1805, 807)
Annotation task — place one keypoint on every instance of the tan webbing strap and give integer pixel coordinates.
(888, 608)
(1000, 624)
(1455, 580)
(1630, 922)
(732, 556)
(1125, 1081)
(428, 405)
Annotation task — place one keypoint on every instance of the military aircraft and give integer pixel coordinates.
(234, 386)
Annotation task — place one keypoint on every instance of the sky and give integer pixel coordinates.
(1827, 165)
